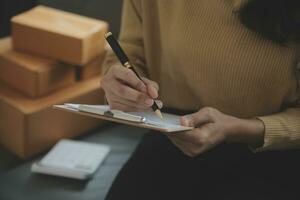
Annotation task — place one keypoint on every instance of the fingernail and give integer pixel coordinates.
(149, 102)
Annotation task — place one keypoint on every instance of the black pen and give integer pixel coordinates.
(125, 62)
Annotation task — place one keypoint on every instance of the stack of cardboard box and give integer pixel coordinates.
(52, 57)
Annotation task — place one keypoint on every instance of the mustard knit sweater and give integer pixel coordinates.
(201, 55)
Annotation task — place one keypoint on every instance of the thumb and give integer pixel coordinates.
(152, 88)
(196, 119)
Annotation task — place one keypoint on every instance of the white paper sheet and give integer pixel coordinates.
(169, 122)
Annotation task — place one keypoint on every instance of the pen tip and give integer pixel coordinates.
(158, 113)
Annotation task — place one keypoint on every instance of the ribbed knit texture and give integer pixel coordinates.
(201, 55)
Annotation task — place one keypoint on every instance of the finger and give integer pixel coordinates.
(196, 119)
(152, 88)
(113, 97)
(188, 136)
(178, 144)
(119, 106)
(125, 92)
(127, 76)
(150, 82)
(133, 104)
(187, 149)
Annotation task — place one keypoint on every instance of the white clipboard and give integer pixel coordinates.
(148, 120)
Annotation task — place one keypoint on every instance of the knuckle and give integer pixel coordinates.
(113, 71)
(138, 85)
(140, 98)
(155, 84)
(128, 73)
(145, 79)
(121, 91)
(115, 67)
(209, 111)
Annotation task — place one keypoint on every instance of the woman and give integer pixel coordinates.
(233, 64)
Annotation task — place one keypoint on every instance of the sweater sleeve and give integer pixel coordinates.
(282, 130)
(131, 38)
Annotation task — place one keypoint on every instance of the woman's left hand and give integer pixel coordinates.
(212, 127)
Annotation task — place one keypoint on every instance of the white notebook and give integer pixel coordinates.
(72, 159)
(169, 123)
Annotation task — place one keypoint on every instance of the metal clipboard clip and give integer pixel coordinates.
(124, 116)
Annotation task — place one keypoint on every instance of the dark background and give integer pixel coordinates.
(108, 10)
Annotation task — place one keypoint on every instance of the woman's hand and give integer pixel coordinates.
(125, 91)
(212, 128)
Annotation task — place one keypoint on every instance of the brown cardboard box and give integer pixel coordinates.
(28, 126)
(32, 75)
(5, 44)
(91, 69)
(59, 35)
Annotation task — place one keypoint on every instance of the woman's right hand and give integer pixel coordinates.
(125, 91)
